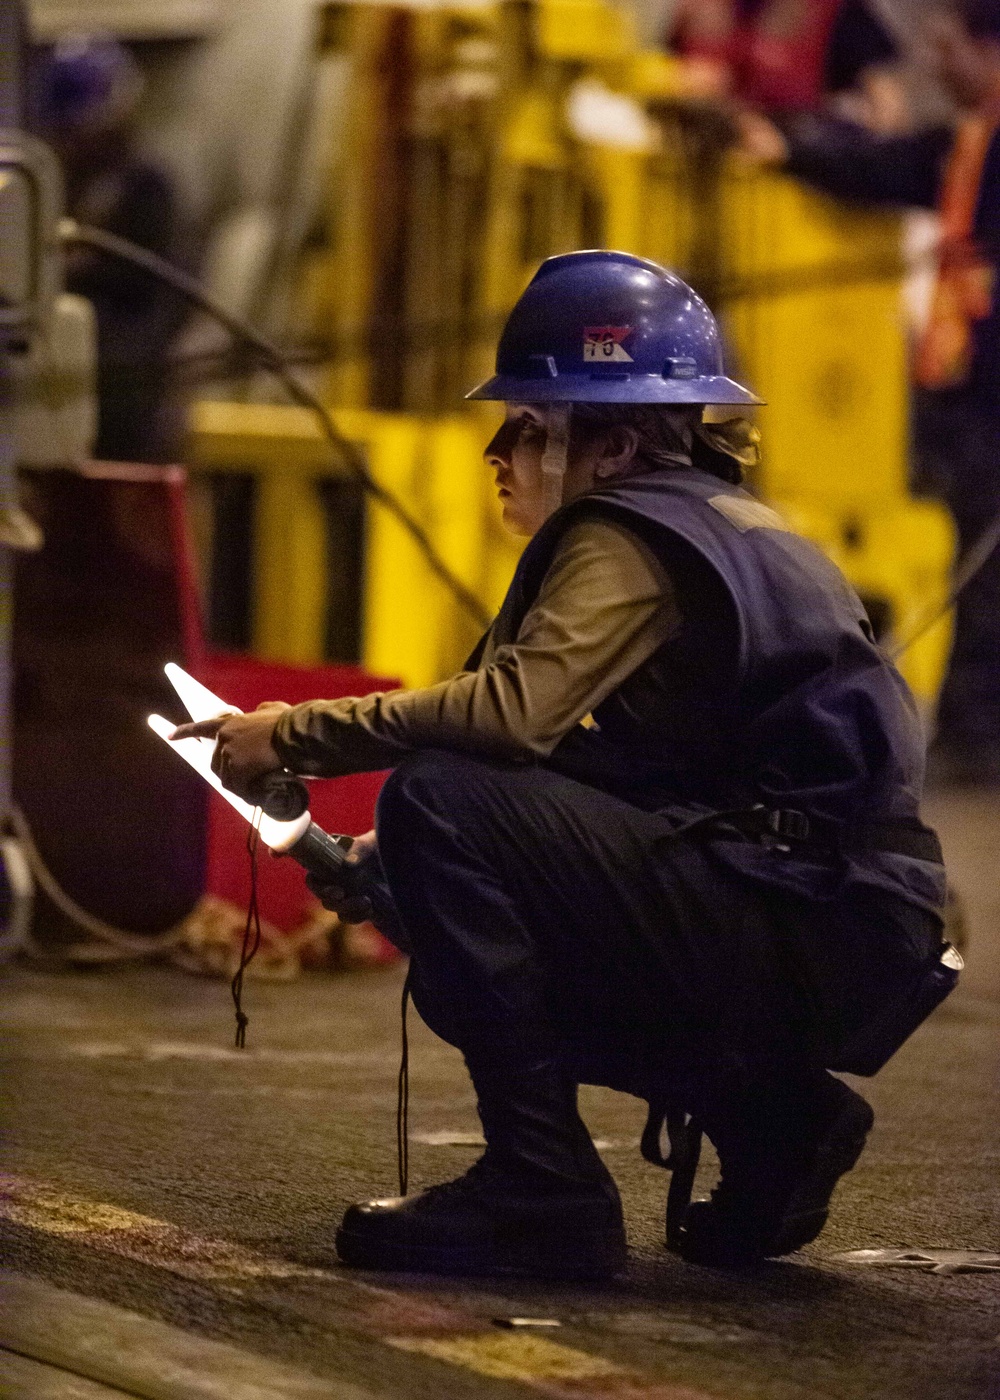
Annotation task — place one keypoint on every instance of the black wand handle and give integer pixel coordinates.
(325, 858)
(323, 855)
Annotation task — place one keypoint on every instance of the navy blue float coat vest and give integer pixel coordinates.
(809, 715)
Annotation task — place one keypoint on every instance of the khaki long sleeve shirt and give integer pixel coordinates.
(605, 606)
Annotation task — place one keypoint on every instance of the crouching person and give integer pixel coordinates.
(662, 833)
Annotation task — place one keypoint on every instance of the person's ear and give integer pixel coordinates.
(618, 453)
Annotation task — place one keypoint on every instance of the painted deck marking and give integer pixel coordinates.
(448, 1137)
(139, 1237)
(544, 1365)
(437, 1330)
(512, 1358)
(160, 1051)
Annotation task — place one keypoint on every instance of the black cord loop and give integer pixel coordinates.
(403, 1096)
(251, 936)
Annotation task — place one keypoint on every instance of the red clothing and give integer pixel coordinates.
(776, 52)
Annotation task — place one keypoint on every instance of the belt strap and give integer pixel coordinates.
(901, 838)
(788, 827)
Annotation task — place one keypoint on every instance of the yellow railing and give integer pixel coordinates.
(411, 626)
(815, 323)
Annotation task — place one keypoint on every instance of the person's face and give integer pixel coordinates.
(968, 67)
(515, 455)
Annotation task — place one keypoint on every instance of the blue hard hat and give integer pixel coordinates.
(86, 80)
(605, 327)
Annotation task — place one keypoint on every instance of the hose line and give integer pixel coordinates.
(275, 361)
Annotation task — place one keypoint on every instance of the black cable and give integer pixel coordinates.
(403, 1097)
(273, 359)
(448, 332)
(251, 936)
(975, 557)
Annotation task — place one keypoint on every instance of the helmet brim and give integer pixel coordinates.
(626, 388)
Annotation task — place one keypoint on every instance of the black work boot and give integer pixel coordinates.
(782, 1152)
(539, 1203)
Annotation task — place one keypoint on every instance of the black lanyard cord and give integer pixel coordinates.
(251, 937)
(403, 1096)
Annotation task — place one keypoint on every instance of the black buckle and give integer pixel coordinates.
(786, 823)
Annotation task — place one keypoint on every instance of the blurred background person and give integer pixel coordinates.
(88, 90)
(793, 55)
(954, 168)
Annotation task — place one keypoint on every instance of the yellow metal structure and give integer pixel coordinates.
(830, 359)
(339, 286)
(459, 167)
(411, 626)
(818, 332)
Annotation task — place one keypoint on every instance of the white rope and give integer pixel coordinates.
(17, 934)
(127, 943)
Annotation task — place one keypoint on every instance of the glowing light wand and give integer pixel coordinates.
(315, 850)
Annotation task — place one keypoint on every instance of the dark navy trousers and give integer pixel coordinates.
(546, 918)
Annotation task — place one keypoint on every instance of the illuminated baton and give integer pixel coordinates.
(279, 794)
(315, 850)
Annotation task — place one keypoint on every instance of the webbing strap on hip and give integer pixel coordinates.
(793, 830)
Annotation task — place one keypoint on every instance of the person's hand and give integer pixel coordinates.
(878, 102)
(348, 901)
(760, 142)
(703, 80)
(244, 748)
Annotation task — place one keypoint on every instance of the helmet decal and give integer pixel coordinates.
(604, 343)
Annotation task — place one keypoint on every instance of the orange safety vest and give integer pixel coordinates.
(963, 292)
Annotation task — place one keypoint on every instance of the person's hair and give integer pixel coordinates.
(666, 432)
(980, 18)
